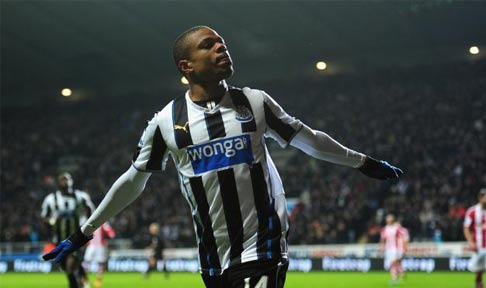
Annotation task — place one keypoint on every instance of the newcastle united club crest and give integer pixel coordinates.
(243, 114)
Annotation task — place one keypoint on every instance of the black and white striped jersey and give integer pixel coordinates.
(225, 172)
(66, 212)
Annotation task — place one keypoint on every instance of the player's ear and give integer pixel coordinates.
(185, 66)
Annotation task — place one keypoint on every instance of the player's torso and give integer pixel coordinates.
(479, 227)
(65, 204)
(202, 140)
(220, 155)
(66, 210)
(157, 244)
(392, 240)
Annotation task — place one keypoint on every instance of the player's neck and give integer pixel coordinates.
(207, 91)
(66, 191)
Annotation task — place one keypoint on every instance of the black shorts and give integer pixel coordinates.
(255, 274)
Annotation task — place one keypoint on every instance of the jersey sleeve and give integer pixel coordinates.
(382, 234)
(151, 153)
(46, 209)
(469, 219)
(279, 125)
(404, 234)
(86, 201)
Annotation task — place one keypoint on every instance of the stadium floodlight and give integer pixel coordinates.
(66, 92)
(184, 80)
(321, 65)
(474, 50)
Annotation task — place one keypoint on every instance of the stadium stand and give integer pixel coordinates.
(429, 120)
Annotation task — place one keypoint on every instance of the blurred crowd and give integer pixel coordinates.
(430, 121)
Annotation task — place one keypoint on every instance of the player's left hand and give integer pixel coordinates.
(380, 169)
(67, 246)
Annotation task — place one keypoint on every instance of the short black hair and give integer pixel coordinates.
(180, 49)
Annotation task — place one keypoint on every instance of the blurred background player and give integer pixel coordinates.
(394, 242)
(405, 239)
(155, 250)
(475, 234)
(97, 251)
(64, 210)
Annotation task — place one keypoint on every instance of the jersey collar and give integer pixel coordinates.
(222, 102)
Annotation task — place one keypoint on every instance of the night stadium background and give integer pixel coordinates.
(403, 81)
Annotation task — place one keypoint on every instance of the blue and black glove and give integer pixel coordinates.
(67, 246)
(380, 169)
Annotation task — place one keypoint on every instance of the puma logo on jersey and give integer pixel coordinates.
(184, 128)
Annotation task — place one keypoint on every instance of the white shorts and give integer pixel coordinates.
(392, 255)
(477, 263)
(97, 254)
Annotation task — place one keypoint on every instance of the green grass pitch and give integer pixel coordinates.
(294, 280)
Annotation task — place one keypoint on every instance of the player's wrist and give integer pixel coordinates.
(88, 229)
(78, 238)
(361, 161)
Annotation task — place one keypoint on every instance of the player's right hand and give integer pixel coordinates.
(67, 246)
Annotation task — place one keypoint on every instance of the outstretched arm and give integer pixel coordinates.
(123, 192)
(288, 130)
(321, 146)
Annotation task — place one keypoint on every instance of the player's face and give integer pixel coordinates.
(153, 229)
(65, 182)
(390, 219)
(482, 199)
(209, 56)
